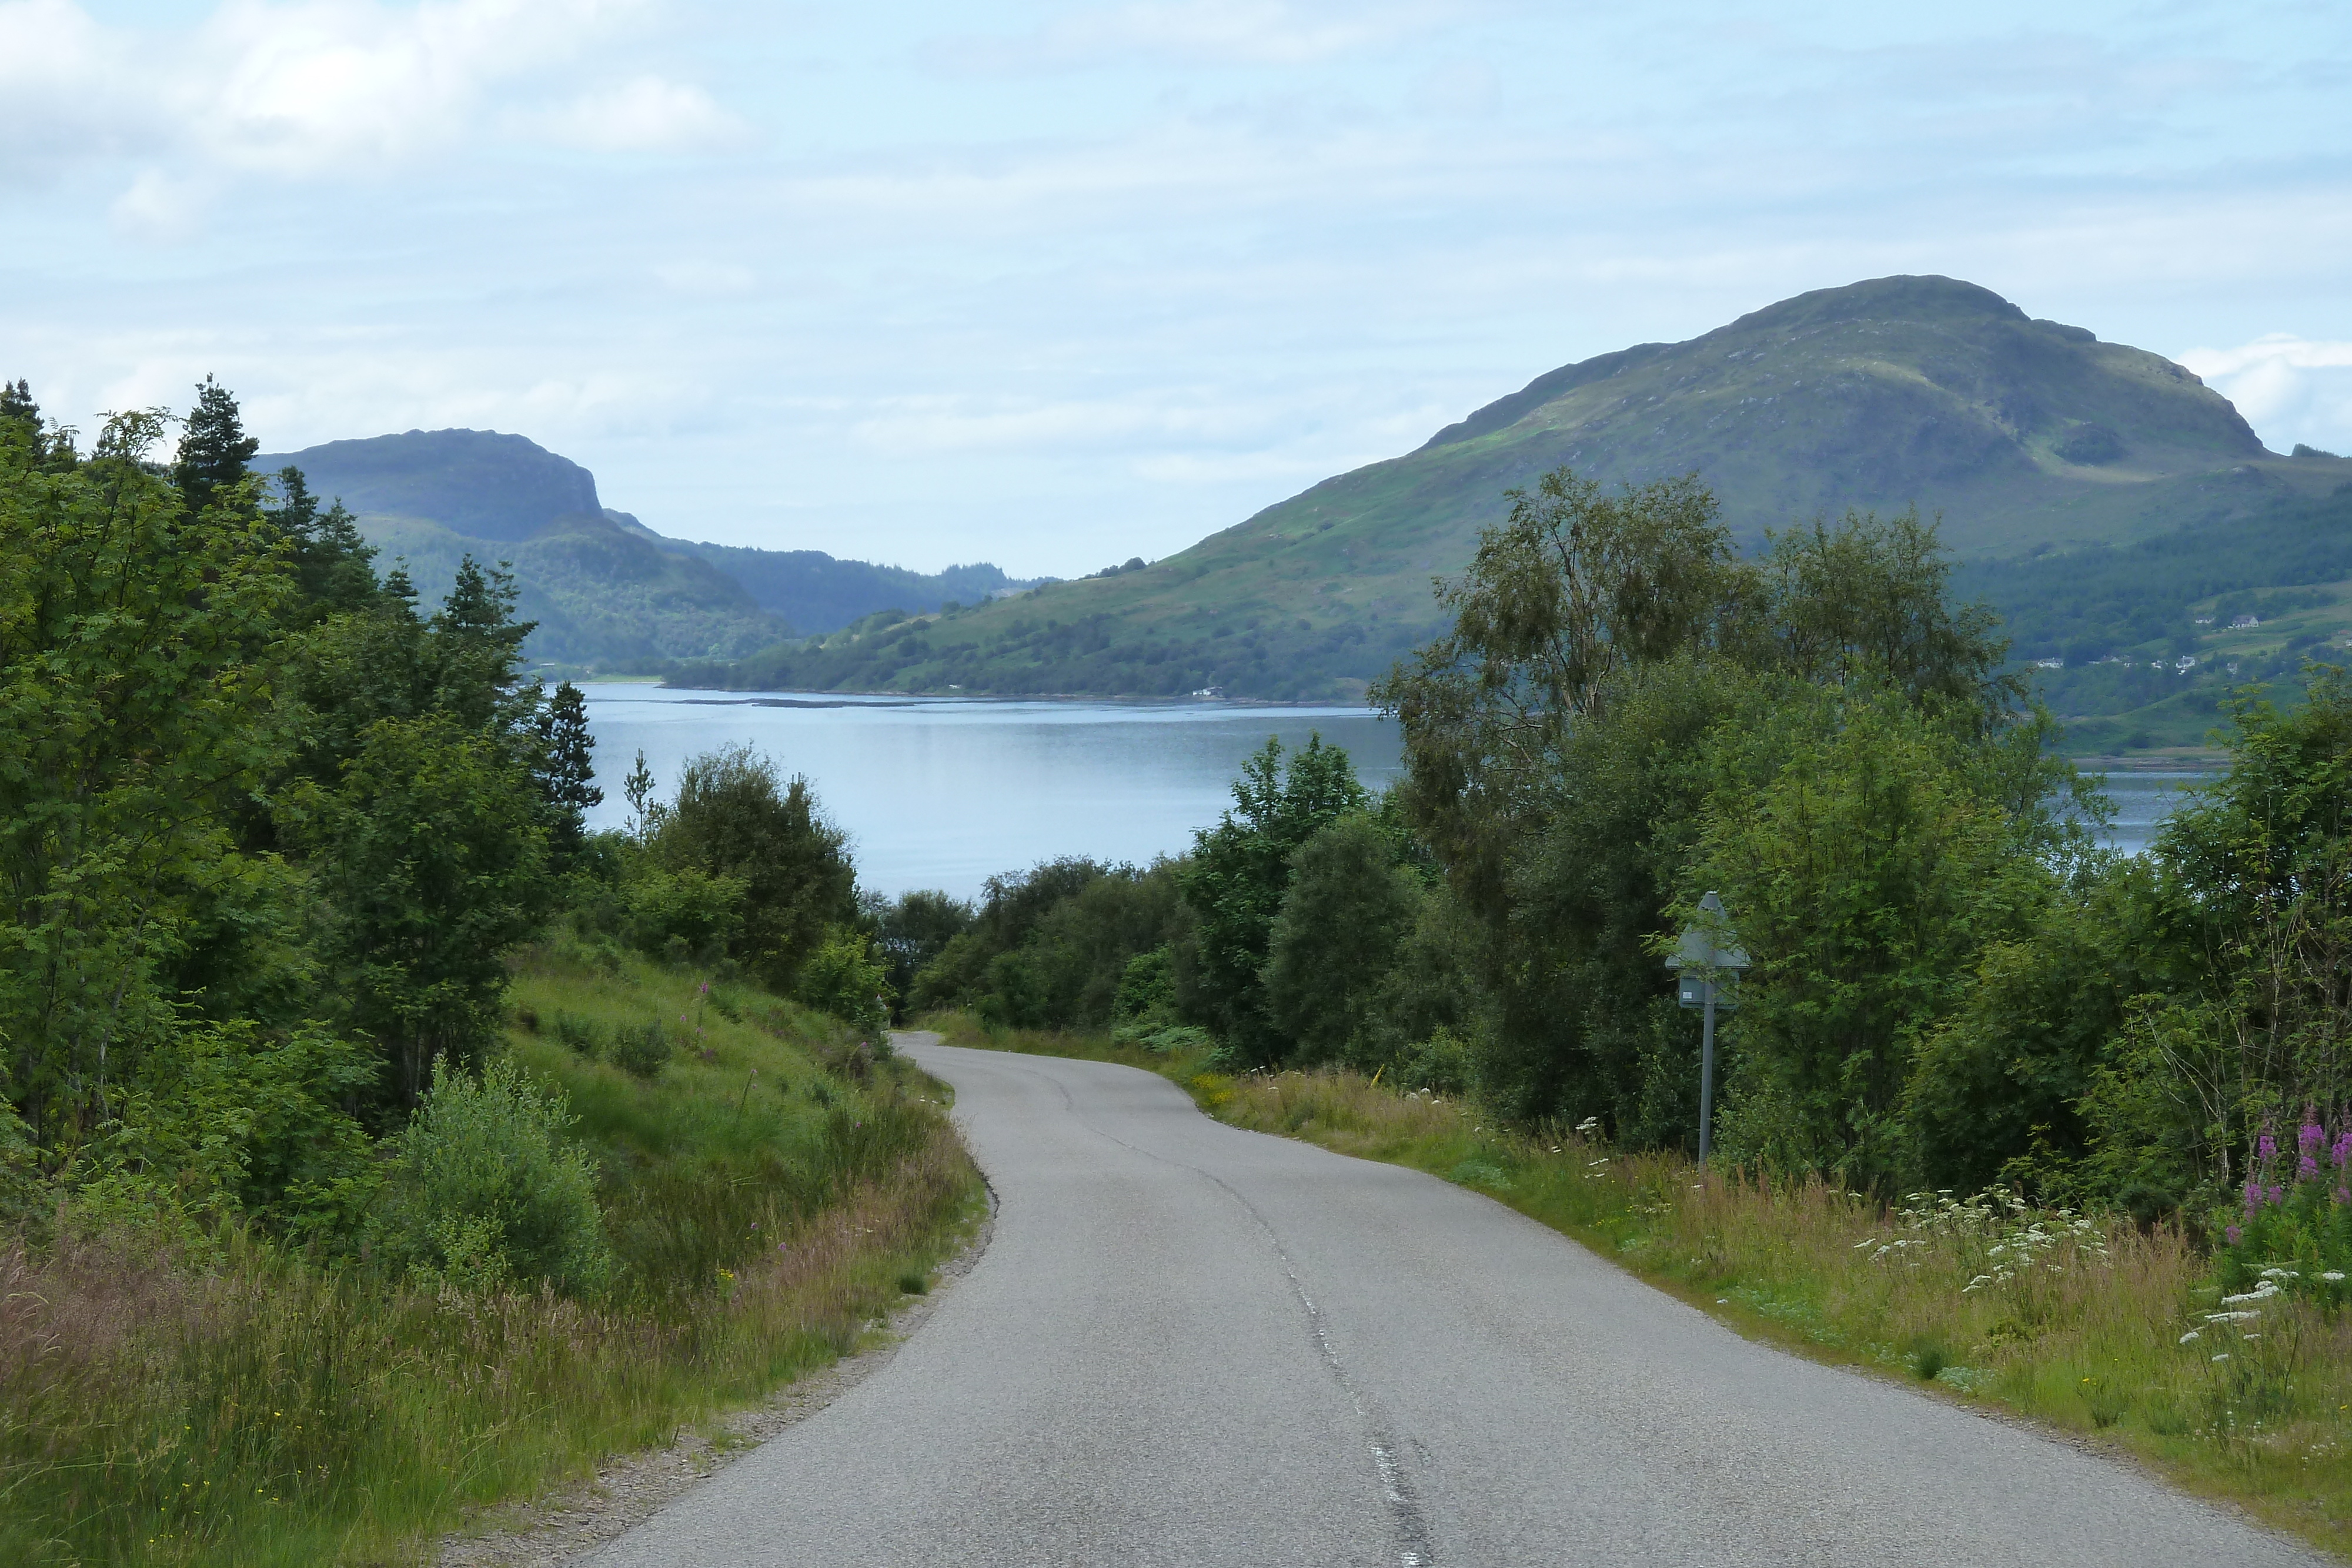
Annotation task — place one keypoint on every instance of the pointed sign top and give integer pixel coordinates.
(1709, 944)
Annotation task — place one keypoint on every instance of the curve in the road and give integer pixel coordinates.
(1188, 1344)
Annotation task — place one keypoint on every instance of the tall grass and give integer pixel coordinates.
(2093, 1326)
(245, 1405)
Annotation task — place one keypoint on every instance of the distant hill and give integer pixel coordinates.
(602, 593)
(816, 592)
(2024, 436)
(605, 589)
(476, 482)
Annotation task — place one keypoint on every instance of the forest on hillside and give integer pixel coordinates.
(2101, 632)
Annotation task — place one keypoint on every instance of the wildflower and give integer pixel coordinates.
(2341, 1152)
(2333, 1276)
(2232, 1232)
(2190, 1337)
(2278, 1195)
(2223, 1356)
(2267, 1147)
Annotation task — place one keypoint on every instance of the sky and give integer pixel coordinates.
(1054, 284)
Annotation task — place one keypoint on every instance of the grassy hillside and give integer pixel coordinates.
(2024, 436)
(768, 1190)
(600, 591)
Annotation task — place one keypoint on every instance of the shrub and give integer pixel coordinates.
(688, 906)
(1147, 988)
(842, 977)
(1440, 1062)
(578, 1034)
(484, 1188)
(225, 1120)
(641, 1049)
(738, 819)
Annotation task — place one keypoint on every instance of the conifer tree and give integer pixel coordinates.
(214, 448)
(565, 771)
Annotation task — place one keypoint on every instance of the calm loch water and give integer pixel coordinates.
(947, 792)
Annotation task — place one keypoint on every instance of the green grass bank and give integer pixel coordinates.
(2116, 1334)
(768, 1185)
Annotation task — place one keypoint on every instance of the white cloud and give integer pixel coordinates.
(646, 114)
(63, 92)
(161, 208)
(326, 87)
(2292, 390)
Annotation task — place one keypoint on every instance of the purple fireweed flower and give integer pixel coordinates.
(2305, 1168)
(2344, 1195)
(2343, 1151)
(2266, 1149)
(2231, 1231)
(2309, 1136)
(2278, 1194)
(2253, 1196)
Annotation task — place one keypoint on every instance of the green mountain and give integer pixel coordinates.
(2025, 437)
(602, 593)
(476, 483)
(604, 589)
(817, 591)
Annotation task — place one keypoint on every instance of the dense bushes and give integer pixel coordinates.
(1049, 947)
(483, 1189)
(270, 836)
(1952, 986)
(309, 1238)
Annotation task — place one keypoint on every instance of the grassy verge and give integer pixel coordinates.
(2078, 1324)
(770, 1189)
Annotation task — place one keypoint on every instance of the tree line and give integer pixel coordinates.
(271, 831)
(1955, 985)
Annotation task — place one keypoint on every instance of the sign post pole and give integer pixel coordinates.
(1706, 953)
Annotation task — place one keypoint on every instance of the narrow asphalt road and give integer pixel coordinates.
(1188, 1344)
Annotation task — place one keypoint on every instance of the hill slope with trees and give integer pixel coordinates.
(2021, 437)
(603, 587)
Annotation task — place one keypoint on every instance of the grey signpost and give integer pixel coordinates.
(1707, 964)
